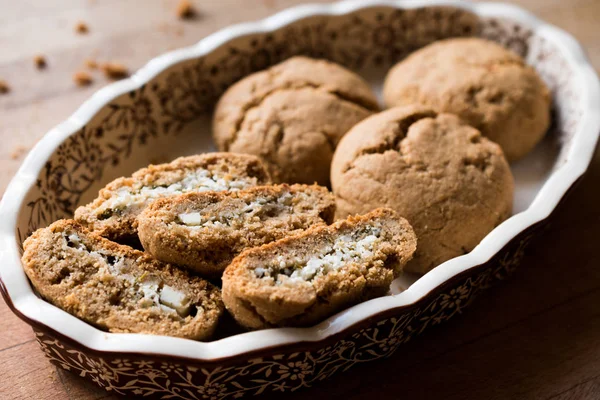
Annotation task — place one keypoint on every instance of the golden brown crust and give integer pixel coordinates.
(260, 292)
(480, 81)
(103, 283)
(231, 223)
(292, 115)
(453, 185)
(119, 222)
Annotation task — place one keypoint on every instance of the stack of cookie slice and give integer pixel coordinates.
(249, 222)
(198, 218)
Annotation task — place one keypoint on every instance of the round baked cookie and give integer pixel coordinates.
(292, 115)
(485, 84)
(451, 184)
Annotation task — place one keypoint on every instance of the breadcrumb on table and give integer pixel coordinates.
(4, 88)
(186, 10)
(115, 70)
(82, 28)
(17, 152)
(40, 61)
(82, 78)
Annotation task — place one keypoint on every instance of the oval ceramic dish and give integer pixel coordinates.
(162, 111)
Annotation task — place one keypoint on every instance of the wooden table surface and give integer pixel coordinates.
(536, 336)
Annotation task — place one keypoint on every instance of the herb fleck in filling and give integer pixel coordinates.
(254, 211)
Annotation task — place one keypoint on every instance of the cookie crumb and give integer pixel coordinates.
(82, 28)
(115, 70)
(52, 375)
(185, 10)
(4, 88)
(40, 61)
(91, 64)
(82, 78)
(17, 152)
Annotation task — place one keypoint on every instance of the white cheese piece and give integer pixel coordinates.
(74, 238)
(167, 309)
(175, 299)
(285, 199)
(260, 272)
(76, 241)
(149, 294)
(193, 219)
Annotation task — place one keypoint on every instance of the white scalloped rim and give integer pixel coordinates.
(27, 303)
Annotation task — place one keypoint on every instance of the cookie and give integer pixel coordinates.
(483, 83)
(113, 214)
(116, 288)
(292, 115)
(300, 280)
(205, 231)
(452, 184)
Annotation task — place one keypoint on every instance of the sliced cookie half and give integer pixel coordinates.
(113, 214)
(116, 288)
(205, 231)
(303, 279)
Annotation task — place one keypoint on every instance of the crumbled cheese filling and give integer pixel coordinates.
(251, 212)
(151, 292)
(200, 180)
(174, 299)
(346, 249)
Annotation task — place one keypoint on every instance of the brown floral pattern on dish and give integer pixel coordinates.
(79, 162)
(508, 34)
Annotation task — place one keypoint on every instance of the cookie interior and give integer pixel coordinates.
(169, 184)
(356, 246)
(141, 289)
(260, 210)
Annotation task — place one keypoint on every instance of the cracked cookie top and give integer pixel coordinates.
(485, 84)
(293, 115)
(452, 184)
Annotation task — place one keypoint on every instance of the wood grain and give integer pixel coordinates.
(536, 336)
(34, 379)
